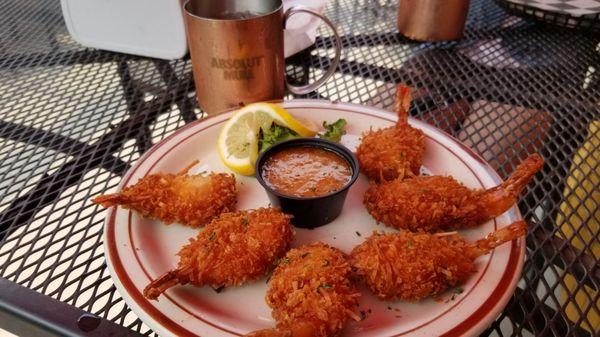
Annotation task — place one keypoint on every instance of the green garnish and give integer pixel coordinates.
(458, 290)
(334, 131)
(284, 260)
(275, 134)
(324, 286)
(212, 236)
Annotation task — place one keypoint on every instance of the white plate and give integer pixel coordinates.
(138, 250)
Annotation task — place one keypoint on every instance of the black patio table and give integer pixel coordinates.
(73, 120)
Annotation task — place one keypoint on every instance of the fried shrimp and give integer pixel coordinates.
(394, 152)
(311, 293)
(437, 203)
(412, 266)
(234, 248)
(192, 200)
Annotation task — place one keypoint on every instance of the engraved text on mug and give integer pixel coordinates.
(237, 69)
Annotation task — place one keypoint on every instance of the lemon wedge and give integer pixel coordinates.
(238, 141)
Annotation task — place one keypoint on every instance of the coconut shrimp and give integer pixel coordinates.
(413, 266)
(233, 248)
(311, 293)
(433, 203)
(192, 200)
(394, 152)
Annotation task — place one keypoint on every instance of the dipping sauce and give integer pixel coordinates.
(306, 171)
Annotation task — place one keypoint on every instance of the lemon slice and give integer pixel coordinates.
(238, 141)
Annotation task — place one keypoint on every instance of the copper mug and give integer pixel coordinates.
(432, 20)
(237, 51)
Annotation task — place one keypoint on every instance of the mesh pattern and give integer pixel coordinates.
(583, 22)
(73, 120)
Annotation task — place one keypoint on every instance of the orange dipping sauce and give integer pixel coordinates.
(306, 171)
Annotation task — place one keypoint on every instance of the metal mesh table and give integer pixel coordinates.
(73, 120)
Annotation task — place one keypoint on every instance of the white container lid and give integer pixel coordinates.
(153, 28)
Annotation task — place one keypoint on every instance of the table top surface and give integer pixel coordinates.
(73, 120)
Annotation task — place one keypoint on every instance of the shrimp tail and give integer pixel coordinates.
(523, 174)
(497, 200)
(161, 284)
(188, 168)
(109, 200)
(495, 239)
(403, 98)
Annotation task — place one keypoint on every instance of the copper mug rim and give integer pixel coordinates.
(208, 18)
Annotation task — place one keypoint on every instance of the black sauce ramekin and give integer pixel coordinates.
(309, 212)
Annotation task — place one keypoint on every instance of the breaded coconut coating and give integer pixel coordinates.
(311, 293)
(412, 266)
(437, 203)
(191, 200)
(394, 152)
(234, 248)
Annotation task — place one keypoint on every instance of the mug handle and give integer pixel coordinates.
(305, 89)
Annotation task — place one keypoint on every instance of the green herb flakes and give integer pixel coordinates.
(324, 286)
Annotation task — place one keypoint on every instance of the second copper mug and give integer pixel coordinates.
(237, 51)
(432, 20)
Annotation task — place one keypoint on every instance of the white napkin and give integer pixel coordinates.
(301, 28)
